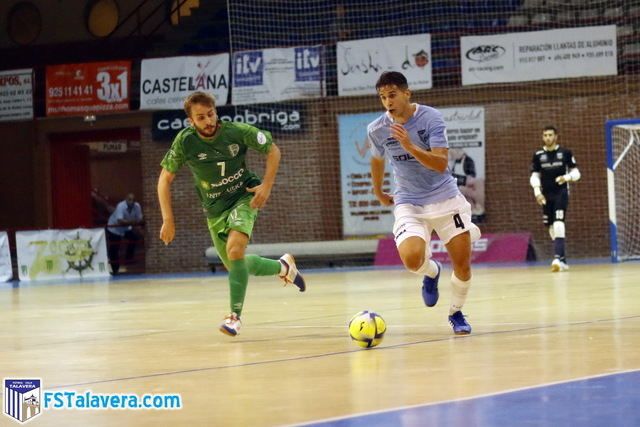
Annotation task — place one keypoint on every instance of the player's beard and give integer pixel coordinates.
(207, 131)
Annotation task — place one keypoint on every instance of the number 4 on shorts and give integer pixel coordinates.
(458, 221)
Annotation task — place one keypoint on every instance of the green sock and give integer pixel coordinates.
(238, 279)
(259, 266)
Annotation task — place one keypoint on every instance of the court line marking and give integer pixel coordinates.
(462, 399)
(336, 353)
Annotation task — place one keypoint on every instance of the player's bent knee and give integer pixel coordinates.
(413, 261)
(235, 252)
(558, 229)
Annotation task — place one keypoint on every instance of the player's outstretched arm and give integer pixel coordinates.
(377, 180)
(168, 229)
(437, 159)
(263, 191)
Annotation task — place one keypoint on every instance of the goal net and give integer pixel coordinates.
(623, 163)
(323, 185)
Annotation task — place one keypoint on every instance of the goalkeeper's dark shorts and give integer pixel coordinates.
(556, 207)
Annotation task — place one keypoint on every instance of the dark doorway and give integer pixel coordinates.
(91, 172)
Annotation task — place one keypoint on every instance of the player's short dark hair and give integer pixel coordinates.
(389, 78)
(201, 98)
(550, 127)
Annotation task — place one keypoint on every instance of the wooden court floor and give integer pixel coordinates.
(294, 362)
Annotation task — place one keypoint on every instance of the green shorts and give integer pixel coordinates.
(240, 217)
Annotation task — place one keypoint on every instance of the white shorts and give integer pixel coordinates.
(448, 218)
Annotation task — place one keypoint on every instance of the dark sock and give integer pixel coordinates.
(558, 248)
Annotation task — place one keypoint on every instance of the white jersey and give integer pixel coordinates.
(415, 184)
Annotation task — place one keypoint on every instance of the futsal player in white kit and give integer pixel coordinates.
(412, 137)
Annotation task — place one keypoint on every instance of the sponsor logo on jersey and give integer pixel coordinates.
(235, 187)
(228, 179)
(422, 134)
(551, 165)
(202, 156)
(403, 158)
(391, 143)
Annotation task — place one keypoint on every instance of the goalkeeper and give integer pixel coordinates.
(552, 169)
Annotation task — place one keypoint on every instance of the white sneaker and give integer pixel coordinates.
(292, 275)
(231, 325)
(558, 265)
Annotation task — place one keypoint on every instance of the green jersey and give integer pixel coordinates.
(218, 166)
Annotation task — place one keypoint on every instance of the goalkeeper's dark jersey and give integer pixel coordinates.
(550, 165)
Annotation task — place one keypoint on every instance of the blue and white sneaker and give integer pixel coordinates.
(430, 292)
(459, 324)
(292, 275)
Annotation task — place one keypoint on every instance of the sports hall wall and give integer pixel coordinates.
(305, 204)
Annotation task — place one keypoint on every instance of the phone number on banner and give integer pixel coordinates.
(69, 91)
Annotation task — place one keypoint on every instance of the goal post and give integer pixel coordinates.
(623, 169)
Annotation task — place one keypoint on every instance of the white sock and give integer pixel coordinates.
(428, 268)
(459, 291)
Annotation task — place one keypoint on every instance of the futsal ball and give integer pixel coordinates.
(367, 329)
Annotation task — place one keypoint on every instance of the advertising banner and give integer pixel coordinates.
(490, 248)
(360, 62)
(362, 213)
(272, 75)
(539, 55)
(5, 258)
(96, 87)
(276, 118)
(166, 82)
(16, 95)
(62, 254)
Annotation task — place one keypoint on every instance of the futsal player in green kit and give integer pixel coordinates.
(231, 195)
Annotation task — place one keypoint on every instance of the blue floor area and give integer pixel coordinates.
(611, 400)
